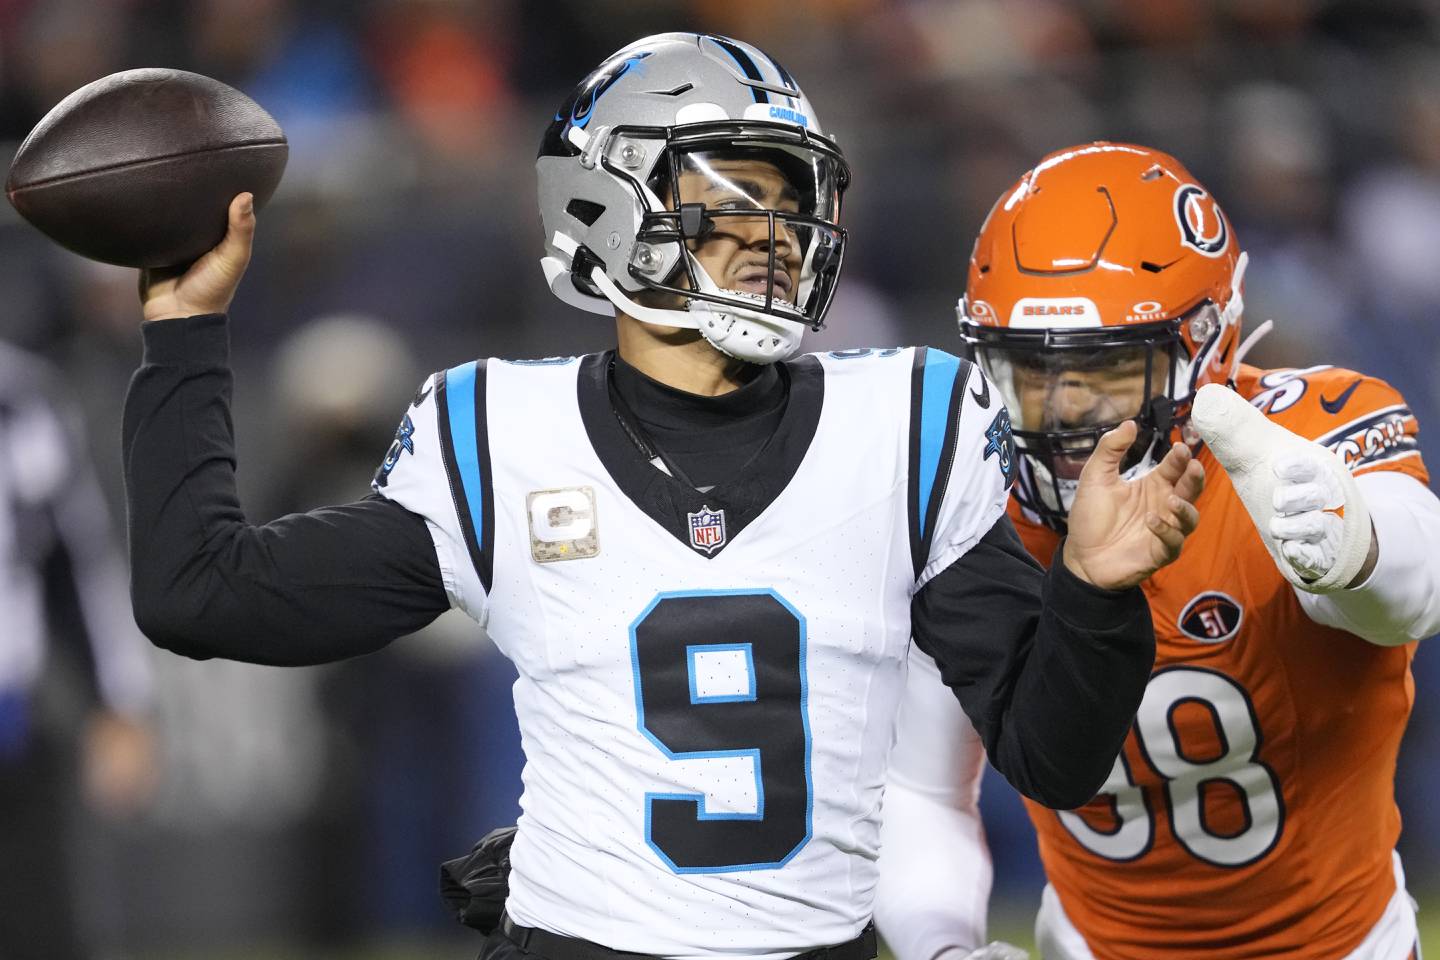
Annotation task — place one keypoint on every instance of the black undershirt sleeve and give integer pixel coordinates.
(306, 588)
(1049, 669)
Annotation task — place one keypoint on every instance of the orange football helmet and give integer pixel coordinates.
(1104, 286)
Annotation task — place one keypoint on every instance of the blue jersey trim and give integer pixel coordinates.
(460, 390)
(939, 384)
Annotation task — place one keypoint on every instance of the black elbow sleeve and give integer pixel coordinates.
(166, 627)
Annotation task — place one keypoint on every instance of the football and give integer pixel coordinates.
(138, 168)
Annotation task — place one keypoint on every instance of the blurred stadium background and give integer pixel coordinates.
(303, 813)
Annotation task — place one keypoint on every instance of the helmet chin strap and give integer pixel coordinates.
(747, 335)
(653, 315)
(1235, 308)
(1229, 316)
(1255, 337)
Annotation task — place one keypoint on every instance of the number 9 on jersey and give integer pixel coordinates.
(721, 675)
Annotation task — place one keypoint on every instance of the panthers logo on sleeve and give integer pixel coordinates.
(416, 473)
(1000, 443)
(404, 443)
(956, 430)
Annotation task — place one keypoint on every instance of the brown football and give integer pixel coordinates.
(138, 168)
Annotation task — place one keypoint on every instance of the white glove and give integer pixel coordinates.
(1303, 499)
(1308, 534)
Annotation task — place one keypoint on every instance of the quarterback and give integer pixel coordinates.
(706, 556)
(1251, 811)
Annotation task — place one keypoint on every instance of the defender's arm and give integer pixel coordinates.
(1049, 668)
(935, 869)
(1399, 600)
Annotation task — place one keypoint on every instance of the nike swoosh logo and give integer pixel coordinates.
(983, 397)
(421, 394)
(1336, 405)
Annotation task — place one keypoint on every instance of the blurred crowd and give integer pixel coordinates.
(313, 806)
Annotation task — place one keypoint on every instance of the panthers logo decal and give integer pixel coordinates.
(601, 81)
(1000, 442)
(404, 443)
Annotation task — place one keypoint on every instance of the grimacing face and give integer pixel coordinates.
(736, 251)
(1101, 389)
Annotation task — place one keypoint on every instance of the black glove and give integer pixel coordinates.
(475, 886)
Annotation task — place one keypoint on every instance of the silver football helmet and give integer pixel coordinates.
(685, 139)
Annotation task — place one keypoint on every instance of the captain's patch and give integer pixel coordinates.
(562, 524)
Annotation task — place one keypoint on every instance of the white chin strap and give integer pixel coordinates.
(747, 335)
(1235, 308)
(1189, 371)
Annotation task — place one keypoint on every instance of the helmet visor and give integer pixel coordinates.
(752, 178)
(1073, 389)
(757, 220)
(1062, 399)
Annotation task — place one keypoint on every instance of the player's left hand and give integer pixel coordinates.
(1306, 526)
(1306, 506)
(1122, 531)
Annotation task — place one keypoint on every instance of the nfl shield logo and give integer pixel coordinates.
(707, 529)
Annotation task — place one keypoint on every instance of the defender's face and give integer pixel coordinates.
(736, 251)
(1101, 389)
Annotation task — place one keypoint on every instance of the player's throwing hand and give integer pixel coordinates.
(207, 285)
(1122, 531)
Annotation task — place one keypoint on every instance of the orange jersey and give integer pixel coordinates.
(1252, 811)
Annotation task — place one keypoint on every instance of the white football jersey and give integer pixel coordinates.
(708, 682)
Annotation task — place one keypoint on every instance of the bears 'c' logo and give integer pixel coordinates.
(1202, 225)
